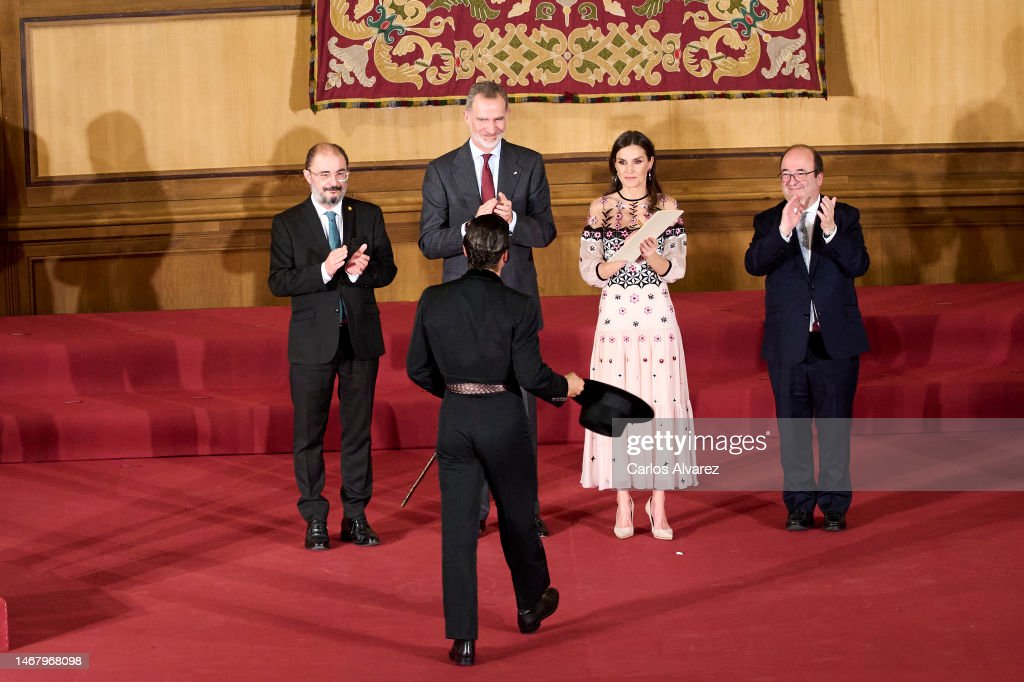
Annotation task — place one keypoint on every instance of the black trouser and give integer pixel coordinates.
(530, 401)
(818, 388)
(312, 387)
(486, 438)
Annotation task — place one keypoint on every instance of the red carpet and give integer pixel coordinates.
(192, 568)
(215, 381)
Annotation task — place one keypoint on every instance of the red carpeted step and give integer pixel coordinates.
(216, 381)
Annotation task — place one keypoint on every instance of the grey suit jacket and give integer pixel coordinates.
(451, 197)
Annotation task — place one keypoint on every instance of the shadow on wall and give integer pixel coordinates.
(12, 254)
(837, 68)
(247, 255)
(298, 97)
(115, 279)
(8, 255)
(987, 249)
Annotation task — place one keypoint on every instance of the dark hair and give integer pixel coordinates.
(324, 147)
(629, 139)
(487, 90)
(486, 239)
(819, 164)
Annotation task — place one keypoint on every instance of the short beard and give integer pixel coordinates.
(329, 202)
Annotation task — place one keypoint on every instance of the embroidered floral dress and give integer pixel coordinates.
(637, 344)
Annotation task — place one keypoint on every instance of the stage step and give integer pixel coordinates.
(200, 382)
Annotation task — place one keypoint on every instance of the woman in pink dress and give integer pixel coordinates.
(637, 344)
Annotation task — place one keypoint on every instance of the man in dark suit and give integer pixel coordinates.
(810, 248)
(474, 344)
(489, 175)
(328, 254)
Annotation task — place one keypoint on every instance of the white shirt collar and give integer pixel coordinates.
(478, 153)
(320, 210)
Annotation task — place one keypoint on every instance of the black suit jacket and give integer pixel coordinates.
(451, 197)
(298, 247)
(476, 329)
(789, 287)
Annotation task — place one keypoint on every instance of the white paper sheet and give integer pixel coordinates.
(655, 225)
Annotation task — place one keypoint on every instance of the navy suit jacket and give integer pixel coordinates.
(298, 247)
(790, 288)
(451, 197)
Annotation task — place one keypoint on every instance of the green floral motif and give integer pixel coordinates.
(478, 9)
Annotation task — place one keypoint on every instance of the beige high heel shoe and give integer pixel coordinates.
(623, 532)
(658, 533)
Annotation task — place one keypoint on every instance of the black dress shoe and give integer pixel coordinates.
(835, 521)
(542, 529)
(359, 532)
(529, 619)
(800, 519)
(463, 651)
(316, 535)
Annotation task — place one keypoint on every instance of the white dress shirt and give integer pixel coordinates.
(322, 211)
(494, 163)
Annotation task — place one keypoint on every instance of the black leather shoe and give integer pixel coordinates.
(529, 619)
(463, 651)
(835, 521)
(316, 535)
(542, 529)
(800, 519)
(359, 532)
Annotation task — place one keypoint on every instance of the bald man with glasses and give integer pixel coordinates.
(810, 249)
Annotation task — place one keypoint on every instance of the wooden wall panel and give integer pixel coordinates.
(161, 93)
(932, 214)
(191, 92)
(159, 144)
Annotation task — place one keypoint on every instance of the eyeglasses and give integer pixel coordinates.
(341, 175)
(786, 176)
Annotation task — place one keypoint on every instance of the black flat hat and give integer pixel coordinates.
(603, 403)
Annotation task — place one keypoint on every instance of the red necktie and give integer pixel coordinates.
(486, 180)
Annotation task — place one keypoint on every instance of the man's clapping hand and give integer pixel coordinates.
(335, 259)
(358, 262)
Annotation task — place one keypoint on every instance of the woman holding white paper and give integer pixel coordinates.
(637, 343)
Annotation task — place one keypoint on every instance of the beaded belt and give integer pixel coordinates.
(475, 389)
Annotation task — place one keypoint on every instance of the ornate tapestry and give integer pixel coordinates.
(374, 53)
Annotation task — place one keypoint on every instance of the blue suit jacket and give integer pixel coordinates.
(790, 288)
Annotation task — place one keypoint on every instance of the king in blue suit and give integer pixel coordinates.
(810, 249)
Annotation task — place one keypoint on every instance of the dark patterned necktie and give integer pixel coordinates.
(806, 229)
